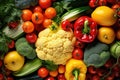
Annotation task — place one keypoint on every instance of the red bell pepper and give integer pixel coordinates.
(85, 29)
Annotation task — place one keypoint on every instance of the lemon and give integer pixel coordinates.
(14, 61)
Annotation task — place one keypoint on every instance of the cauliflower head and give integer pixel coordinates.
(55, 46)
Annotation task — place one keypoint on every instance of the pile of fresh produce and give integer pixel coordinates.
(59, 40)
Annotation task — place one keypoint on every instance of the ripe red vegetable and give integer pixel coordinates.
(77, 53)
(31, 37)
(85, 29)
(43, 72)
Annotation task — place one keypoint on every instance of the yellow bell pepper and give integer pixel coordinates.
(75, 70)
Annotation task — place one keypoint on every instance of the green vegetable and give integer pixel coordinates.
(22, 4)
(29, 67)
(115, 49)
(73, 14)
(8, 12)
(96, 54)
(14, 33)
(4, 40)
(25, 49)
(50, 65)
(63, 6)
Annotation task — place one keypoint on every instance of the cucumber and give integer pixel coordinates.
(29, 67)
(14, 33)
(74, 13)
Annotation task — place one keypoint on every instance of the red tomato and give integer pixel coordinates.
(1, 63)
(45, 3)
(28, 27)
(1, 76)
(31, 37)
(38, 27)
(37, 17)
(77, 53)
(102, 2)
(26, 14)
(43, 72)
(50, 78)
(37, 9)
(47, 22)
(10, 78)
(96, 77)
(11, 44)
(79, 44)
(61, 77)
(93, 3)
(50, 12)
(92, 70)
(66, 25)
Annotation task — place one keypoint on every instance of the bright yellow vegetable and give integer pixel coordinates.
(75, 70)
(106, 35)
(104, 16)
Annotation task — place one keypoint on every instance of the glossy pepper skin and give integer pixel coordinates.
(85, 29)
(75, 70)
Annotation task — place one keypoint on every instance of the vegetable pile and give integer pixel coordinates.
(59, 40)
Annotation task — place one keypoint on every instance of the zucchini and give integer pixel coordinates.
(29, 67)
(14, 33)
(74, 13)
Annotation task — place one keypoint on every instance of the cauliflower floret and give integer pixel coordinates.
(55, 46)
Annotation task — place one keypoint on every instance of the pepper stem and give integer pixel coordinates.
(86, 28)
(76, 74)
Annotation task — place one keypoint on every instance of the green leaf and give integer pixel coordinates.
(3, 43)
(50, 65)
(25, 49)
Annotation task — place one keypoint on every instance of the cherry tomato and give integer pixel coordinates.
(1, 76)
(102, 2)
(28, 27)
(61, 77)
(13, 24)
(50, 12)
(37, 9)
(100, 71)
(112, 1)
(43, 72)
(11, 44)
(53, 73)
(50, 78)
(1, 63)
(92, 70)
(116, 68)
(26, 14)
(109, 63)
(66, 25)
(10, 78)
(95, 77)
(79, 44)
(47, 22)
(38, 27)
(77, 53)
(31, 37)
(45, 3)
(93, 3)
(61, 69)
(37, 17)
